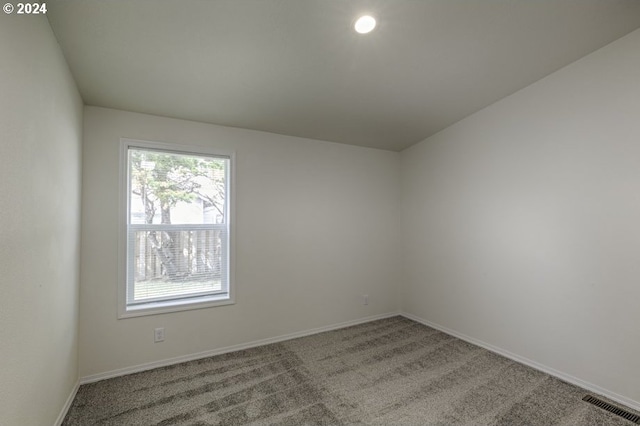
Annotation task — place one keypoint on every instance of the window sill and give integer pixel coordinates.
(154, 308)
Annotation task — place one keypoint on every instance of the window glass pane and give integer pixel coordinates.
(169, 188)
(170, 264)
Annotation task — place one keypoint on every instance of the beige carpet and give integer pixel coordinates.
(392, 372)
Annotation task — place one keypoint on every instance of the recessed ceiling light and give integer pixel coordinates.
(365, 24)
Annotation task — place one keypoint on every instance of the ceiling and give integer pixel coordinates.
(296, 67)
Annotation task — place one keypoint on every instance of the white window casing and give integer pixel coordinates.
(176, 228)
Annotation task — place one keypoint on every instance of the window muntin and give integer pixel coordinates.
(177, 228)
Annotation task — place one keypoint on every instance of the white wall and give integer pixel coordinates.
(40, 144)
(317, 227)
(521, 223)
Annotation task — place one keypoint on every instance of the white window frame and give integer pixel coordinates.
(181, 303)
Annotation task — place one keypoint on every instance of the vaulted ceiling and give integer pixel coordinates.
(297, 67)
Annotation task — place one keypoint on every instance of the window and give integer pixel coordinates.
(177, 235)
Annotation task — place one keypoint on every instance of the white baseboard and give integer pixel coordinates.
(191, 357)
(67, 404)
(522, 360)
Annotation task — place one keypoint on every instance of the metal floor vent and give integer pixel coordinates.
(612, 409)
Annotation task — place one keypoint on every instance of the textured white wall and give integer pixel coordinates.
(40, 143)
(521, 223)
(317, 227)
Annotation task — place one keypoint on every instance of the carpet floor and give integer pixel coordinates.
(387, 372)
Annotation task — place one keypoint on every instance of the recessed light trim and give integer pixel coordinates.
(365, 24)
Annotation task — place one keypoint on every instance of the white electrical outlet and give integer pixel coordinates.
(365, 300)
(158, 335)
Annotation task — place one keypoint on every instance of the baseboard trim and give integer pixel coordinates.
(533, 364)
(191, 357)
(67, 404)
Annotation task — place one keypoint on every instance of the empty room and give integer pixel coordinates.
(390, 212)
